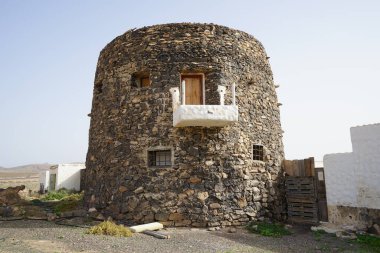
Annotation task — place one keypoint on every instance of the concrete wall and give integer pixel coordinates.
(68, 176)
(352, 179)
(366, 151)
(44, 179)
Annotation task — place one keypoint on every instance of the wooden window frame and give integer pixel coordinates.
(165, 153)
(141, 81)
(258, 152)
(137, 79)
(202, 75)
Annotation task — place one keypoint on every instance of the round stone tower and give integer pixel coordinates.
(185, 128)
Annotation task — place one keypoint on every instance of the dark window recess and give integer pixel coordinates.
(258, 152)
(99, 88)
(160, 158)
(140, 80)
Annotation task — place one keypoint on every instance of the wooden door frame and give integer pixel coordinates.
(202, 75)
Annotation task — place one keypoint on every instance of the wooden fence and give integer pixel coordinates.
(301, 191)
(299, 168)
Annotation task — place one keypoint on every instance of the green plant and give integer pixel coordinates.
(268, 229)
(109, 228)
(369, 243)
(68, 203)
(318, 234)
(57, 195)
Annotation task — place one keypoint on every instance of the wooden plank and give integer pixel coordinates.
(307, 165)
(157, 234)
(291, 199)
(295, 168)
(301, 166)
(288, 167)
(312, 164)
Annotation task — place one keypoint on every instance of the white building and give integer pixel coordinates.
(353, 179)
(62, 176)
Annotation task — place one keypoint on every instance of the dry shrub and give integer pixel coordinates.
(109, 228)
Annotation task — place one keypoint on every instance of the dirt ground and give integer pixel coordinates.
(42, 236)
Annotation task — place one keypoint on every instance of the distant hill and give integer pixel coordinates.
(30, 168)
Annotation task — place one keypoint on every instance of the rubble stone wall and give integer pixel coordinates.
(213, 180)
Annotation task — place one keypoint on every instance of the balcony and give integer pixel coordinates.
(203, 115)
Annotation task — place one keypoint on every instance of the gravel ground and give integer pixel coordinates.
(42, 236)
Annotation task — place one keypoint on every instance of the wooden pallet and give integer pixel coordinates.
(300, 186)
(301, 200)
(303, 210)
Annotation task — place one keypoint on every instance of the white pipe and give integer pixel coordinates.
(233, 94)
(183, 92)
(148, 226)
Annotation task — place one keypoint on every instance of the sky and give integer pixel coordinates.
(325, 55)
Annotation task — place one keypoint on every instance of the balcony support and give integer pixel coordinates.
(175, 98)
(222, 91)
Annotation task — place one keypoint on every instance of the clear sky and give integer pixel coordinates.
(325, 55)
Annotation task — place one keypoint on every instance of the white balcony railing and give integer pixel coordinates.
(203, 115)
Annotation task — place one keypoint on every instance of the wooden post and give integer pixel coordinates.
(156, 234)
(183, 92)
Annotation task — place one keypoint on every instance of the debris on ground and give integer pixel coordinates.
(157, 234)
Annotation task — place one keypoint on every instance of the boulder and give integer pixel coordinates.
(10, 195)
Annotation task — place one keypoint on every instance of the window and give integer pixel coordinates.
(144, 81)
(258, 152)
(160, 158)
(140, 80)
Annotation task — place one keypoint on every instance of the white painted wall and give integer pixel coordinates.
(68, 176)
(366, 150)
(44, 179)
(353, 179)
(340, 179)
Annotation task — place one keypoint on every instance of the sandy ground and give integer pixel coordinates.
(42, 236)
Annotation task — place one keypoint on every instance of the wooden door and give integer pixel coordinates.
(52, 182)
(321, 191)
(193, 89)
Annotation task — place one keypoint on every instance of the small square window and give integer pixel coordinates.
(140, 79)
(160, 158)
(144, 82)
(258, 152)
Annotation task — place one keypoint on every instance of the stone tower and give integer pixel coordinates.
(185, 128)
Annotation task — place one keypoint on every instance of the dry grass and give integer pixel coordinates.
(110, 228)
(30, 183)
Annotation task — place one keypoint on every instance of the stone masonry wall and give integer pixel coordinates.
(213, 180)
